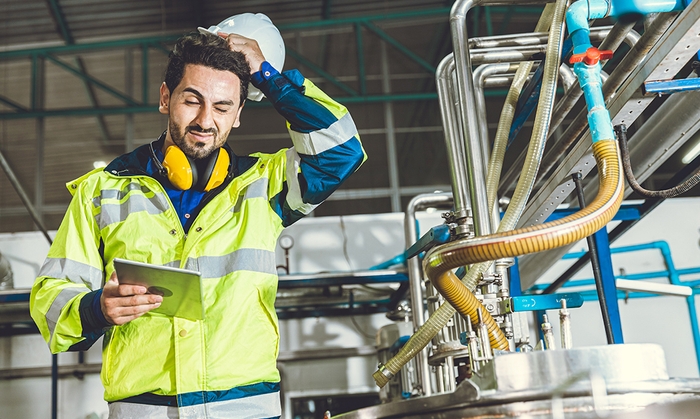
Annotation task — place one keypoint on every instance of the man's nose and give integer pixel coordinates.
(205, 117)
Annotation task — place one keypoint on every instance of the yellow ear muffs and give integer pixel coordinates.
(216, 170)
(178, 168)
(181, 170)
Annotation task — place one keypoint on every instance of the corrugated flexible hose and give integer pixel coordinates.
(543, 236)
(515, 243)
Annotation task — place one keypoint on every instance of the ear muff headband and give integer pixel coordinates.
(181, 170)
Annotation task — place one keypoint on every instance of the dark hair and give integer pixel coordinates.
(207, 50)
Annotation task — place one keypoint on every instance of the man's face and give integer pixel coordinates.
(202, 110)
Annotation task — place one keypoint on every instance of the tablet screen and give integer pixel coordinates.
(181, 289)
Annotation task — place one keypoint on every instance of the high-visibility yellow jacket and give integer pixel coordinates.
(122, 212)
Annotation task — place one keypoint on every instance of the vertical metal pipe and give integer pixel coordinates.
(415, 275)
(455, 149)
(479, 76)
(476, 166)
(390, 133)
(565, 326)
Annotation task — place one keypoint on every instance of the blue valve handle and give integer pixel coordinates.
(545, 301)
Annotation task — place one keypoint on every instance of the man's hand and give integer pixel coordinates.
(122, 303)
(249, 48)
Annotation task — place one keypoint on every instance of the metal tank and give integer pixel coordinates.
(613, 381)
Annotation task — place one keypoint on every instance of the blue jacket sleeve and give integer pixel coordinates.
(327, 147)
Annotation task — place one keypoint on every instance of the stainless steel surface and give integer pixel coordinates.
(569, 384)
(548, 335)
(565, 326)
(454, 147)
(467, 401)
(415, 273)
(597, 33)
(684, 409)
(507, 54)
(627, 363)
(453, 349)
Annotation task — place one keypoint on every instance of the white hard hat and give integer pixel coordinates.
(260, 28)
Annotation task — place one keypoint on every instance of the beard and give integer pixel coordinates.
(196, 150)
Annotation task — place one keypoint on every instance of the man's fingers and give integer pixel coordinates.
(133, 300)
(113, 289)
(124, 315)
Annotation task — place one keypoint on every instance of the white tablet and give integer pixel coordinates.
(181, 289)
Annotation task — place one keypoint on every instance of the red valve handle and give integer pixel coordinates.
(592, 56)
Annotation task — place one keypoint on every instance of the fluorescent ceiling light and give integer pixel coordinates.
(690, 156)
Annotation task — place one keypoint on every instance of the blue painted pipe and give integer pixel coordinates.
(592, 87)
(581, 11)
(577, 17)
(633, 10)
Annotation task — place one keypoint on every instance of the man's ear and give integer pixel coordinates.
(164, 99)
(237, 122)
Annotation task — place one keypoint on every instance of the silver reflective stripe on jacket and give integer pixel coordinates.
(252, 407)
(114, 213)
(257, 189)
(294, 199)
(316, 142)
(119, 194)
(77, 272)
(58, 303)
(253, 260)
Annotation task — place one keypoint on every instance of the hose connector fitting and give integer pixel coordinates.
(382, 375)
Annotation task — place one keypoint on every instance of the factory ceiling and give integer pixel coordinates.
(79, 84)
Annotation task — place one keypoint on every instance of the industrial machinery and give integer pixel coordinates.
(472, 355)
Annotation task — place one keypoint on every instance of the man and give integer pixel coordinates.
(221, 222)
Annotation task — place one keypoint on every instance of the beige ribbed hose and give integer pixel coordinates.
(543, 236)
(515, 243)
(459, 297)
(505, 121)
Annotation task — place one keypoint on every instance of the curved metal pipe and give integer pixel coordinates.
(415, 274)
